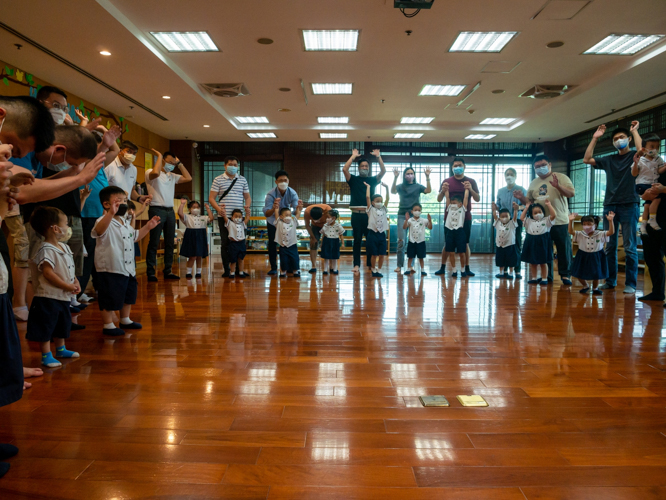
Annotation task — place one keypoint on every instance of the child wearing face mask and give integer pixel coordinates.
(287, 239)
(456, 240)
(538, 246)
(195, 239)
(506, 257)
(237, 226)
(114, 260)
(375, 241)
(331, 232)
(590, 261)
(647, 167)
(416, 247)
(54, 283)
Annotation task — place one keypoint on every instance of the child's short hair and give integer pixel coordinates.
(375, 196)
(456, 197)
(106, 193)
(334, 213)
(131, 205)
(504, 211)
(416, 205)
(236, 211)
(43, 218)
(590, 218)
(651, 138)
(191, 203)
(536, 205)
(286, 209)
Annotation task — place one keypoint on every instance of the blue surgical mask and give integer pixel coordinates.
(232, 170)
(542, 170)
(621, 143)
(458, 170)
(169, 167)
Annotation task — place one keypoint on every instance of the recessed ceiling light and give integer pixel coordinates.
(329, 135)
(206, 126)
(407, 136)
(554, 45)
(475, 41)
(447, 90)
(166, 97)
(284, 89)
(623, 45)
(345, 40)
(498, 121)
(498, 91)
(261, 135)
(105, 53)
(187, 41)
(332, 88)
(252, 119)
(417, 119)
(333, 119)
(284, 110)
(480, 137)
(265, 41)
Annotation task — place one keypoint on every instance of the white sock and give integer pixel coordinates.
(109, 326)
(74, 302)
(189, 270)
(199, 271)
(126, 321)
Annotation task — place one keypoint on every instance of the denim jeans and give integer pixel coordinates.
(626, 214)
(560, 236)
(403, 235)
(168, 225)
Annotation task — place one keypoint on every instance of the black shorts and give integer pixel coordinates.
(289, 261)
(416, 250)
(237, 251)
(375, 243)
(48, 319)
(456, 240)
(116, 290)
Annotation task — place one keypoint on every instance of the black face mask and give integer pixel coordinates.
(122, 210)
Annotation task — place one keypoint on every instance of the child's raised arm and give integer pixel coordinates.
(552, 211)
(299, 207)
(405, 224)
(429, 225)
(572, 218)
(152, 223)
(181, 209)
(515, 207)
(611, 227)
(523, 216)
(386, 202)
(367, 194)
(494, 208)
(103, 224)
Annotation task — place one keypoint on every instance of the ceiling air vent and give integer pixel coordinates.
(226, 89)
(546, 91)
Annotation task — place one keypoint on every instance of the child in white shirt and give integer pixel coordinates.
(195, 239)
(375, 241)
(590, 261)
(236, 226)
(538, 247)
(455, 237)
(332, 233)
(647, 167)
(506, 253)
(417, 246)
(287, 239)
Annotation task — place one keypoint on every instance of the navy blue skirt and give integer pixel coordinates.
(11, 363)
(537, 249)
(506, 256)
(195, 243)
(590, 266)
(330, 248)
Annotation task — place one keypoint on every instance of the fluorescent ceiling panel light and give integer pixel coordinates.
(480, 137)
(476, 41)
(407, 136)
(326, 135)
(261, 135)
(417, 119)
(623, 45)
(333, 119)
(332, 88)
(189, 41)
(498, 121)
(320, 40)
(105, 53)
(447, 90)
(251, 119)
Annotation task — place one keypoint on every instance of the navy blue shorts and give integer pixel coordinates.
(237, 251)
(48, 319)
(416, 250)
(456, 240)
(375, 243)
(115, 290)
(289, 261)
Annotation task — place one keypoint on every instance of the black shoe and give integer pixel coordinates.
(132, 326)
(408, 272)
(585, 291)
(566, 281)
(297, 275)
(454, 274)
(377, 275)
(7, 451)
(442, 270)
(469, 273)
(545, 282)
(283, 275)
(188, 276)
(75, 327)
(334, 272)
(240, 276)
(74, 310)
(518, 276)
(500, 276)
(313, 270)
(272, 272)
(596, 291)
(464, 274)
(245, 275)
(423, 273)
(652, 296)
(114, 332)
(534, 282)
(325, 273)
(81, 307)
(152, 279)
(198, 276)
(171, 276)
(226, 274)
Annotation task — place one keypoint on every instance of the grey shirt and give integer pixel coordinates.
(410, 195)
(620, 184)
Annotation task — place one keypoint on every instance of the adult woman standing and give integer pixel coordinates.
(410, 194)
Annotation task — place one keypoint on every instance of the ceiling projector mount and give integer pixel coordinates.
(412, 4)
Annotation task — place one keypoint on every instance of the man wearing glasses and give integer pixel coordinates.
(56, 102)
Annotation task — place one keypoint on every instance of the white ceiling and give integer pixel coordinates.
(389, 65)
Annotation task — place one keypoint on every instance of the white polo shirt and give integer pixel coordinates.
(195, 221)
(591, 243)
(118, 175)
(285, 232)
(334, 230)
(61, 260)
(377, 219)
(455, 217)
(236, 231)
(538, 227)
(163, 188)
(505, 234)
(417, 228)
(114, 252)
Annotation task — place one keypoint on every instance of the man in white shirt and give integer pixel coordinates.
(234, 193)
(161, 183)
(122, 172)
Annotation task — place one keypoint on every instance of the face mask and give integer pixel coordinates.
(510, 180)
(169, 167)
(588, 229)
(542, 171)
(409, 177)
(129, 158)
(652, 153)
(378, 205)
(363, 173)
(283, 186)
(286, 217)
(238, 220)
(538, 216)
(458, 170)
(58, 116)
(505, 220)
(195, 211)
(329, 220)
(122, 210)
(416, 214)
(232, 170)
(129, 217)
(65, 233)
(621, 143)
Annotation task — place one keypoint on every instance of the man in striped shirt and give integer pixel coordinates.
(234, 193)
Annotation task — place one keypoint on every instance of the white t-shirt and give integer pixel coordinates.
(417, 229)
(592, 243)
(4, 274)
(195, 221)
(334, 230)
(535, 228)
(114, 252)
(505, 234)
(648, 170)
(455, 217)
(236, 231)
(118, 175)
(285, 232)
(61, 260)
(162, 188)
(377, 219)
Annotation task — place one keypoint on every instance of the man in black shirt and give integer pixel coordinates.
(357, 202)
(654, 245)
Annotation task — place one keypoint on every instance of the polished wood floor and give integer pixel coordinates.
(308, 389)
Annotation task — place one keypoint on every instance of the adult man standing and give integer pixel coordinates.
(161, 183)
(315, 218)
(505, 199)
(621, 198)
(357, 202)
(122, 172)
(234, 193)
(654, 245)
(456, 185)
(281, 196)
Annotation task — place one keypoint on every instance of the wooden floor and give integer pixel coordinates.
(307, 389)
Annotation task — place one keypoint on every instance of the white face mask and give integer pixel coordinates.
(416, 214)
(378, 204)
(238, 220)
(510, 180)
(58, 115)
(65, 233)
(283, 186)
(589, 229)
(129, 157)
(504, 220)
(538, 216)
(60, 166)
(329, 220)
(195, 211)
